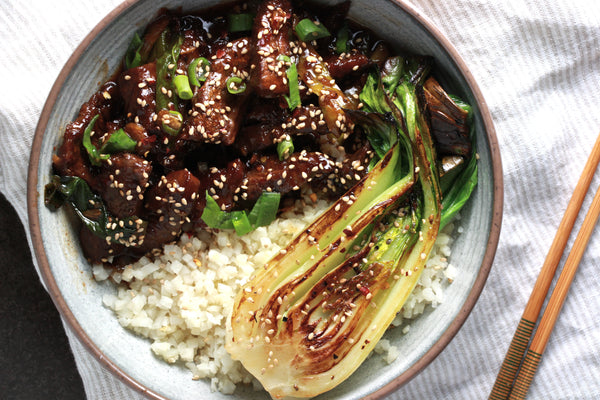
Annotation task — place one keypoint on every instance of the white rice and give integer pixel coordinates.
(180, 300)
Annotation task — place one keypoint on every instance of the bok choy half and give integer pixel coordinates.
(308, 318)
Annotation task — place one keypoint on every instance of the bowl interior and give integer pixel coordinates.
(79, 297)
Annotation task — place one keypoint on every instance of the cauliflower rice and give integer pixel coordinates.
(181, 299)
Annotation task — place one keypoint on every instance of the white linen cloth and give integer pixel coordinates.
(538, 65)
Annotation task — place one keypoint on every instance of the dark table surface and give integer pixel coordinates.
(35, 358)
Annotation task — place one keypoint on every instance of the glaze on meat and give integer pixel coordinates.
(218, 142)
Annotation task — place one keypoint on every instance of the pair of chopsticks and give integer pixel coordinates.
(524, 353)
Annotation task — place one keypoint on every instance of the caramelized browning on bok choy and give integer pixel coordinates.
(308, 319)
(228, 121)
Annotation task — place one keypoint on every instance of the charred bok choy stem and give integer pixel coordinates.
(392, 90)
(304, 322)
(458, 188)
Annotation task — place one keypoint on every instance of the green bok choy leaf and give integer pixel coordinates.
(90, 209)
(307, 319)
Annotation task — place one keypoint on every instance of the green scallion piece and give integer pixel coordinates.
(235, 85)
(265, 209)
(263, 213)
(285, 148)
(168, 50)
(308, 30)
(240, 22)
(172, 122)
(133, 58)
(341, 40)
(198, 71)
(213, 216)
(182, 87)
(119, 140)
(93, 153)
(293, 99)
(241, 223)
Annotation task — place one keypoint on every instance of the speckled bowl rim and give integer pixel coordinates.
(407, 375)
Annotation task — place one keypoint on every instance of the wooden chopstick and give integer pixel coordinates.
(557, 299)
(520, 341)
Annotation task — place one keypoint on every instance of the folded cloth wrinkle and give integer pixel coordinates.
(537, 65)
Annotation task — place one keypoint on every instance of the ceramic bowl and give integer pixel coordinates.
(78, 297)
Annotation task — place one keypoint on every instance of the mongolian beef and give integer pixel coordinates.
(221, 120)
(203, 105)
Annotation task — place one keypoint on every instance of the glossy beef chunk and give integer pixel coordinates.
(223, 185)
(303, 121)
(308, 120)
(169, 204)
(258, 137)
(240, 184)
(334, 16)
(216, 113)
(351, 169)
(195, 41)
(269, 174)
(145, 142)
(124, 179)
(97, 249)
(271, 32)
(266, 111)
(347, 63)
(71, 158)
(314, 72)
(138, 89)
(221, 139)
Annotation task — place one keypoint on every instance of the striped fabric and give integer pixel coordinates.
(538, 65)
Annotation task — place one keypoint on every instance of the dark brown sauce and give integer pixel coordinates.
(227, 146)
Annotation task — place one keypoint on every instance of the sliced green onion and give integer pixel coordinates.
(93, 153)
(263, 213)
(341, 40)
(240, 22)
(169, 51)
(119, 140)
(265, 209)
(213, 216)
(182, 87)
(241, 223)
(285, 148)
(133, 57)
(235, 85)
(293, 99)
(308, 30)
(198, 71)
(172, 122)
